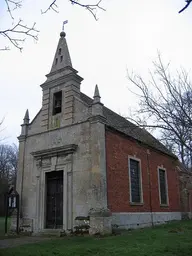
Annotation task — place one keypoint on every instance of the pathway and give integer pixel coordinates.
(13, 242)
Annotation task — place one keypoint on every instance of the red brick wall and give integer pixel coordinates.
(118, 147)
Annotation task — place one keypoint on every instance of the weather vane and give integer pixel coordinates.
(64, 22)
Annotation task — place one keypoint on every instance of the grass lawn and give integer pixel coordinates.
(173, 239)
(2, 226)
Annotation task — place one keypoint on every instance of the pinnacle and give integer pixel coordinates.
(26, 117)
(96, 95)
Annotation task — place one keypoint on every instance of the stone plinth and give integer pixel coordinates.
(26, 225)
(100, 221)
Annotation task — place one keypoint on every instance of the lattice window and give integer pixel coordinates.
(135, 181)
(163, 187)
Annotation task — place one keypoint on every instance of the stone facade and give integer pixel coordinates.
(72, 141)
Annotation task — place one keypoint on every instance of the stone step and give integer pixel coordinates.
(50, 233)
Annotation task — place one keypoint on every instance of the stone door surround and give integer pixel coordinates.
(48, 160)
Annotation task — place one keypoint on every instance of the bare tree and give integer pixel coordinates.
(165, 104)
(8, 162)
(19, 31)
(8, 170)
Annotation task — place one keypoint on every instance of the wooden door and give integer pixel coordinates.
(54, 200)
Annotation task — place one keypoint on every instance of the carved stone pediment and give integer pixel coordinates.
(53, 158)
(51, 152)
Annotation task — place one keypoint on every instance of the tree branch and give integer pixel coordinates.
(21, 31)
(12, 5)
(52, 6)
(188, 2)
(92, 8)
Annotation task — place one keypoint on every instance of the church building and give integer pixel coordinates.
(77, 156)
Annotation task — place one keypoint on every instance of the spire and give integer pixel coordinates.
(26, 117)
(62, 58)
(96, 95)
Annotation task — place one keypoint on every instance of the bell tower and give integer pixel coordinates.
(62, 84)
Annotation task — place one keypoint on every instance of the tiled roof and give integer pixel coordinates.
(123, 125)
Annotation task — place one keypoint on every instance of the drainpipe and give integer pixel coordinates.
(149, 184)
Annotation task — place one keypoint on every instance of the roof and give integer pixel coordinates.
(183, 169)
(122, 125)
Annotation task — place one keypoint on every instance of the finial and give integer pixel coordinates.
(26, 117)
(63, 34)
(96, 95)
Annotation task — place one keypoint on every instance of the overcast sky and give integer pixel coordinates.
(127, 35)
